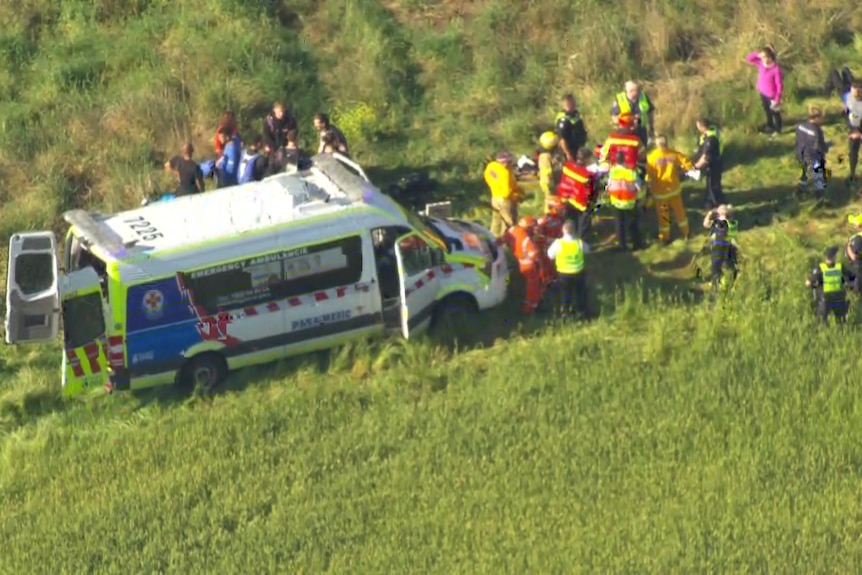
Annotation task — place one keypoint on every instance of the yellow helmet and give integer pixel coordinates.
(549, 140)
(855, 219)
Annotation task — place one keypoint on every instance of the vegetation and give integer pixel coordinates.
(667, 436)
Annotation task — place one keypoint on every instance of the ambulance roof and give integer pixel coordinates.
(330, 186)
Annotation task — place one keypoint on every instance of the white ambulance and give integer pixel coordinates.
(189, 289)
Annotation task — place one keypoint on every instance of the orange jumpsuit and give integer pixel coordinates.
(529, 264)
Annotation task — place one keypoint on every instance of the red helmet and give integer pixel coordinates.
(626, 120)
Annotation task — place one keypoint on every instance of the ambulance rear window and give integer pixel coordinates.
(83, 320)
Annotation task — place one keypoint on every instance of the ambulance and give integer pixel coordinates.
(187, 290)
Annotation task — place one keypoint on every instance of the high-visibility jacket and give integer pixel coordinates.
(832, 278)
(501, 180)
(577, 186)
(522, 245)
(570, 258)
(712, 131)
(621, 150)
(625, 107)
(663, 168)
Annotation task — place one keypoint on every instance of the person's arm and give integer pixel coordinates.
(779, 84)
(586, 247)
(199, 180)
(269, 143)
(754, 59)
(605, 151)
(554, 249)
(703, 161)
(650, 117)
(815, 280)
(546, 172)
(561, 129)
(707, 221)
(231, 155)
(615, 112)
(684, 162)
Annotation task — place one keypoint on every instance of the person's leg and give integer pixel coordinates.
(766, 103)
(662, 212)
(497, 227)
(678, 209)
(564, 309)
(635, 216)
(580, 293)
(822, 310)
(716, 191)
(846, 80)
(854, 156)
(533, 297)
(620, 225)
(584, 223)
(834, 81)
(776, 120)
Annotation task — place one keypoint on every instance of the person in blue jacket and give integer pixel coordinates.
(228, 164)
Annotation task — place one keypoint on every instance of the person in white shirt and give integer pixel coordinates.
(567, 253)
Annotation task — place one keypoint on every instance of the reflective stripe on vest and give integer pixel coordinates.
(570, 258)
(625, 107)
(712, 132)
(732, 229)
(831, 278)
(571, 118)
(575, 176)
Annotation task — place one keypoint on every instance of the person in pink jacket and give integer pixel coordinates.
(770, 85)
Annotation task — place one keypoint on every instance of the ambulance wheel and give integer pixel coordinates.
(455, 317)
(204, 372)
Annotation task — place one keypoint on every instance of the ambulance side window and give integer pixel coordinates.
(416, 255)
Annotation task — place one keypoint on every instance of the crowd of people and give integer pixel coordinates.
(239, 161)
(634, 169)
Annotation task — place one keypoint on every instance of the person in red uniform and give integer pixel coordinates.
(550, 227)
(623, 151)
(520, 240)
(577, 190)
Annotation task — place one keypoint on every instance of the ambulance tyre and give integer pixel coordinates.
(204, 372)
(455, 317)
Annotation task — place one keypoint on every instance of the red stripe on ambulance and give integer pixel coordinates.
(92, 352)
(73, 360)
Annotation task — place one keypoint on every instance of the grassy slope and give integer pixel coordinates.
(727, 442)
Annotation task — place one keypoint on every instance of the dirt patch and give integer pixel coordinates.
(437, 16)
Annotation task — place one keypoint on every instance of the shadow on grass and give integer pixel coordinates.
(17, 412)
(753, 148)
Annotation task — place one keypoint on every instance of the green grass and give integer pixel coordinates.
(665, 437)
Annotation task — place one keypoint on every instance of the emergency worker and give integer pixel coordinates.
(550, 228)
(853, 250)
(723, 247)
(275, 128)
(622, 151)
(852, 102)
(709, 161)
(811, 153)
(567, 253)
(506, 194)
(633, 100)
(548, 142)
(570, 127)
(577, 192)
(828, 281)
(664, 165)
(519, 238)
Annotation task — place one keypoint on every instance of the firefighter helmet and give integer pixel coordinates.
(549, 140)
(626, 120)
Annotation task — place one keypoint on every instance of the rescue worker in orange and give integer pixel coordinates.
(550, 228)
(622, 150)
(577, 190)
(506, 194)
(664, 166)
(520, 240)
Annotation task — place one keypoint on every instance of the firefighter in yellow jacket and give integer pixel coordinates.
(506, 194)
(663, 167)
(548, 143)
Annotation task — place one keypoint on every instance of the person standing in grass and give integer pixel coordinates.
(770, 86)
(828, 280)
(854, 251)
(190, 177)
(623, 150)
(811, 152)
(633, 100)
(506, 194)
(548, 143)
(663, 167)
(567, 253)
(329, 133)
(723, 247)
(227, 121)
(709, 159)
(227, 166)
(275, 128)
(570, 128)
(852, 101)
(577, 191)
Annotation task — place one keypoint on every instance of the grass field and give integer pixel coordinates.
(666, 436)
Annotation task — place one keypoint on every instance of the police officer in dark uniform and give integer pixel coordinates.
(569, 126)
(854, 250)
(828, 281)
(710, 162)
(811, 153)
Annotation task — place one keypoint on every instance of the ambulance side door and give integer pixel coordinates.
(32, 288)
(419, 283)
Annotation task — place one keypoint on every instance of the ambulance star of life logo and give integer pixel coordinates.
(153, 303)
